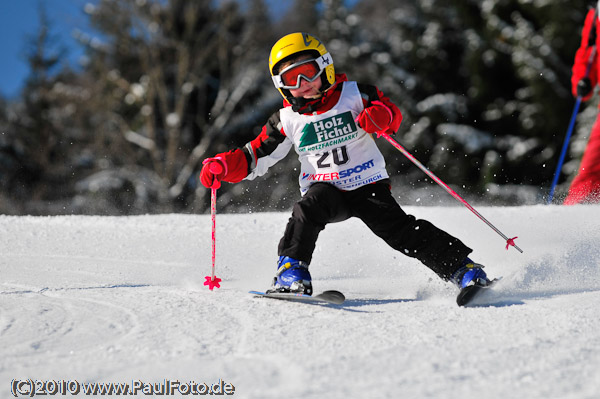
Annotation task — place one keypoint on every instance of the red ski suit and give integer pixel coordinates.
(585, 188)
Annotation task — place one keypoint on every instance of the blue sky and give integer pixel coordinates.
(19, 19)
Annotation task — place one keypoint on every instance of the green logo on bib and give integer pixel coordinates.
(328, 132)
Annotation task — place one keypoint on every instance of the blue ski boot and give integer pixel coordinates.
(470, 273)
(292, 276)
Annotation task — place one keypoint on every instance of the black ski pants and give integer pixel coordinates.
(376, 207)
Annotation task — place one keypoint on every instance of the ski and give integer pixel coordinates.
(467, 294)
(334, 297)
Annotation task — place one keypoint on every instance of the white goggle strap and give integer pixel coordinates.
(325, 60)
(277, 81)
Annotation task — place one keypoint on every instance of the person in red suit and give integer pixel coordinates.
(585, 187)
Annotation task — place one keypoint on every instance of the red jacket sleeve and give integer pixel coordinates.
(584, 55)
(241, 161)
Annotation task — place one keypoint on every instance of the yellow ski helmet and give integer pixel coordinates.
(296, 43)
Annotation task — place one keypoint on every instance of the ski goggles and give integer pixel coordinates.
(309, 70)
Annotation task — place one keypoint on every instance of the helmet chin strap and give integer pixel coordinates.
(300, 102)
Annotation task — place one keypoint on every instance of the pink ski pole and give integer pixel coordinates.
(509, 241)
(212, 281)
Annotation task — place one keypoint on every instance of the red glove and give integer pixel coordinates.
(213, 171)
(230, 166)
(376, 118)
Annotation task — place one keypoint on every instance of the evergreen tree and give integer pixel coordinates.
(173, 78)
(40, 148)
(484, 86)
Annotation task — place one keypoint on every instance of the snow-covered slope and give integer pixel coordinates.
(120, 299)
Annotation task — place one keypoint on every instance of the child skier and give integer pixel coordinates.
(329, 121)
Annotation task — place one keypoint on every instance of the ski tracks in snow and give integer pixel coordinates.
(114, 299)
